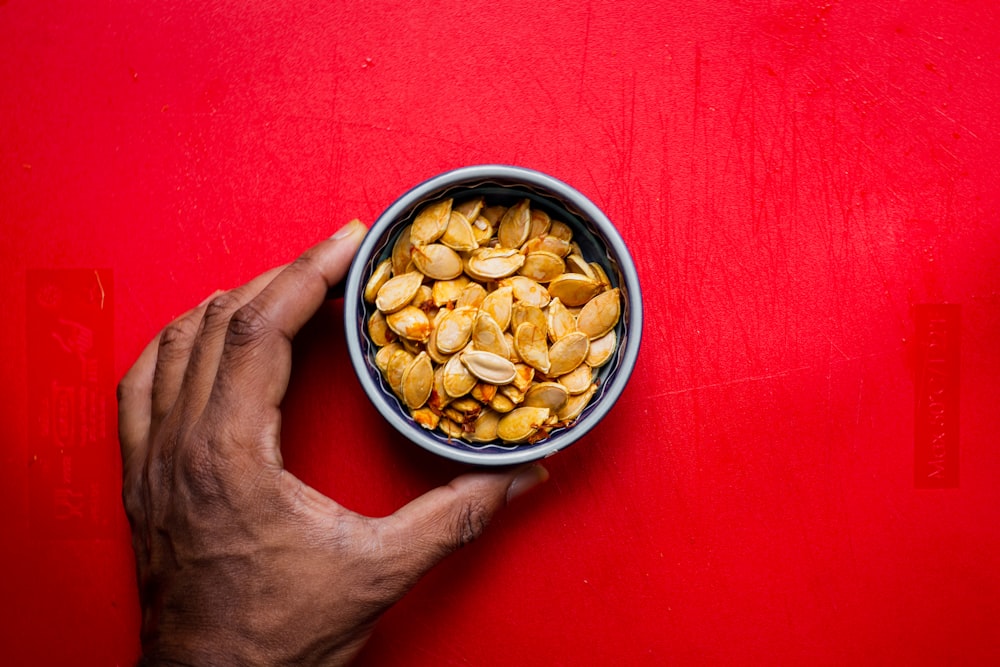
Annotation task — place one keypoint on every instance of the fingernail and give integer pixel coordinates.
(350, 228)
(526, 481)
(210, 297)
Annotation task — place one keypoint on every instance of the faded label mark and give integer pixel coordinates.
(936, 427)
(71, 435)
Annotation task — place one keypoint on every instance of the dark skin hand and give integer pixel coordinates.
(238, 561)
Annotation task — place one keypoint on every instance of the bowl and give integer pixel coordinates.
(499, 184)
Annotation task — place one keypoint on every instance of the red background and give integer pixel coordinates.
(792, 178)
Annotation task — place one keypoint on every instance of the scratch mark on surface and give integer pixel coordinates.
(941, 113)
(835, 347)
(100, 286)
(729, 383)
(586, 48)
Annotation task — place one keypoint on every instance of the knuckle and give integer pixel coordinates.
(305, 264)
(247, 325)
(124, 390)
(176, 338)
(132, 386)
(471, 521)
(220, 309)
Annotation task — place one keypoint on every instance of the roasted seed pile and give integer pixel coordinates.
(489, 321)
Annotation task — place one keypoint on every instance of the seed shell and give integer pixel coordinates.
(513, 229)
(530, 343)
(410, 322)
(437, 261)
(567, 353)
(380, 276)
(417, 382)
(574, 289)
(489, 367)
(602, 349)
(600, 315)
(431, 223)
(522, 423)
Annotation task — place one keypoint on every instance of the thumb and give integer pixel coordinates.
(448, 517)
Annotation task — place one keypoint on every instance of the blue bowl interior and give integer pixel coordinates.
(599, 242)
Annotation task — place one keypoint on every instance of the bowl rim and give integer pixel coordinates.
(471, 175)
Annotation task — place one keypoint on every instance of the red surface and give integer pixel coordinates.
(793, 178)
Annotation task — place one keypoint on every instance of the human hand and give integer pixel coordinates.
(238, 561)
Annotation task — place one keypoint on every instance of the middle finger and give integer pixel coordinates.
(206, 350)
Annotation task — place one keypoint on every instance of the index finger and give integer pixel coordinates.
(135, 400)
(256, 358)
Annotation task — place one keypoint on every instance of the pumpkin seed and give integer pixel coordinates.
(437, 261)
(457, 379)
(512, 392)
(574, 289)
(431, 223)
(453, 331)
(398, 292)
(494, 263)
(551, 395)
(424, 299)
(561, 230)
(600, 275)
(528, 291)
(600, 314)
(432, 348)
(542, 266)
(448, 291)
(484, 429)
(400, 361)
(414, 347)
(410, 322)
(401, 252)
(525, 376)
(501, 403)
(522, 312)
(439, 398)
(417, 381)
(521, 424)
(602, 349)
(560, 321)
(380, 276)
(482, 230)
(451, 429)
(567, 353)
(577, 264)
(426, 418)
(470, 208)
(497, 305)
(459, 235)
(379, 330)
(579, 379)
(467, 406)
(489, 367)
(488, 336)
(472, 296)
(540, 223)
(512, 231)
(384, 356)
(546, 243)
(529, 341)
(508, 338)
(493, 213)
(483, 392)
(575, 404)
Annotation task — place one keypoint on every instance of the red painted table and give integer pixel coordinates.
(804, 468)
